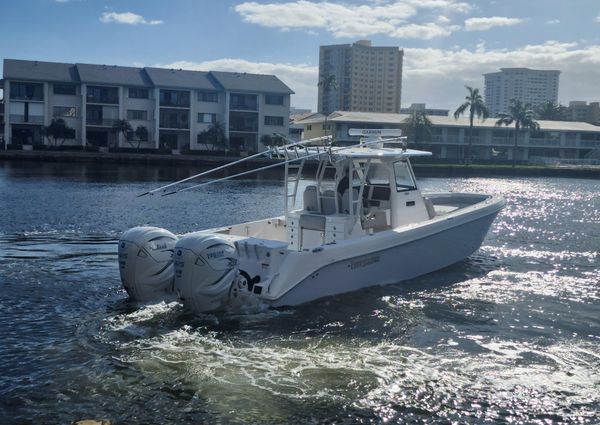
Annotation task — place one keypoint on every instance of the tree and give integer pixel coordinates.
(327, 82)
(476, 106)
(274, 140)
(551, 111)
(522, 116)
(214, 136)
(123, 127)
(417, 125)
(141, 134)
(58, 130)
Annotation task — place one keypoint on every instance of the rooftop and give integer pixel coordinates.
(40, 71)
(250, 82)
(179, 78)
(113, 74)
(449, 121)
(15, 69)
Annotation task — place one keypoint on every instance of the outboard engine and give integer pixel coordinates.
(206, 265)
(146, 263)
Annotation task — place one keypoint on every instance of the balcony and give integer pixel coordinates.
(543, 142)
(243, 121)
(105, 95)
(175, 98)
(174, 119)
(101, 122)
(243, 102)
(26, 119)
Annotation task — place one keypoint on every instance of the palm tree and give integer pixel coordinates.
(123, 127)
(327, 82)
(520, 114)
(417, 125)
(141, 133)
(551, 111)
(476, 106)
(58, 130)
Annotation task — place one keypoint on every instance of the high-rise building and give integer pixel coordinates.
(367, 78)
(527, 85)
(580, 111)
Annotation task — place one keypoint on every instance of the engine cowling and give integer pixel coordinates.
(206, 266)
(146, 263)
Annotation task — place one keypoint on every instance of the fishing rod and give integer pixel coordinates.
(299, 158)
(229, 164)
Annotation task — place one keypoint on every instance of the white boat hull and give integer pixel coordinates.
(403, 261)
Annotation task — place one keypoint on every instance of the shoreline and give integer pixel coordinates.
(422, 169)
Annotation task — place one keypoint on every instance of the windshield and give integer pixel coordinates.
(404, 178)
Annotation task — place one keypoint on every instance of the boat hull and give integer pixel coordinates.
(391, 265)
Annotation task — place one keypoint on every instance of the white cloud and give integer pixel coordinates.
(127, 18)
(553, 21)
(346, 20)
(483, 24)
(438, 76)
(597, 18)
(301, 78)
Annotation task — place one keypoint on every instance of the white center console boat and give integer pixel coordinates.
(363, 222)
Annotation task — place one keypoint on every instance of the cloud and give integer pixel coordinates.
(347, 20)
(301, 78)
(597, 18)
(553, 21)
(483, 24)
(438, 76)
(127, 18)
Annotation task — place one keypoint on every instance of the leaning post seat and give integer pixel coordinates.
(310, 199)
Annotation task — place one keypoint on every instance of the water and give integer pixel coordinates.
(510, 335)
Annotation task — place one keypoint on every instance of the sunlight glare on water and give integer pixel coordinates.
(510, 335)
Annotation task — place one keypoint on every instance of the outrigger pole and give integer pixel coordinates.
(229, 164)
(328, 151)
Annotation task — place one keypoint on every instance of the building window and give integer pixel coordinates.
(207, 96)
(274, 99)
(135, 114)
(278, 121)
(138, 93)
(243, 102)
(64, 112)
(68, 89)
(177, 98)
(308, 127)
(99, 94)
(26, 91)
(207, 118)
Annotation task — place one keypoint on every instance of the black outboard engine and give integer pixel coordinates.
(146, 263)
(206, 267)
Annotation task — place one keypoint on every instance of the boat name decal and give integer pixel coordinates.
(156, 246)
(364, 262)
(215, 254)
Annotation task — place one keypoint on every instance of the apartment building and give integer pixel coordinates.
(175, 106)
(422, 107)
(528, 85)
(582, 111)
(369, 78)
(561, 140)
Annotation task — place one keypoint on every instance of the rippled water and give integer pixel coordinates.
(510, 335)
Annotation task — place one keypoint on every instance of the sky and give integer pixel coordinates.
(447, 43)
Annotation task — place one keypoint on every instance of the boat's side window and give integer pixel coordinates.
(404, 178)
